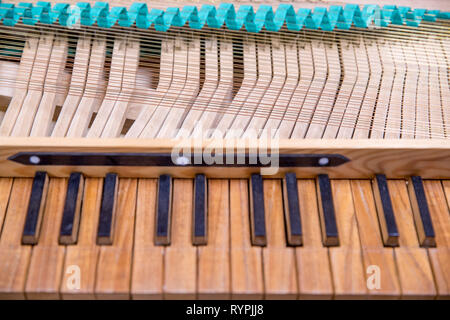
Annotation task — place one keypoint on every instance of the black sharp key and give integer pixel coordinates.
(292, 210)
(257, 214)
(163, 210)
(385, 212)
(35, 208)
(422, 218)
(199, 235)
(71, 215)
(330, 236)
(107, 210)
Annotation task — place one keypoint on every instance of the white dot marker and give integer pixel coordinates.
(323, 161)
(35, 159)
(182, 161)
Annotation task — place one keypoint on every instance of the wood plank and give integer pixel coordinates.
(84, 255)
(394, 116)
(363, 126)
(20, 86)
(41, 126)
(147, 266)
(346, 260)
(410, 99)
(76, 88)
(307, 72)
(423, 94)
(114, 264)
(117, 117)
(395, 158)
(353, 110)
(248, 83)
(291, 83)
(180, 258)
(439, 256)
(279, 265)
(376, 257)
(15, 258)
(166, 78)
(93, 94)
(313, 263)
(314, 93)
(186, 96)
(222, 97)
(437, 117)
(5, 192)
(387, 80)
(47, 257)
(328, 111)
(446, 186)
(265, 75)
(413, 266)
(209, 87)
(31, 102)
(246, 261)
(180, 69)
(270, 96)
(115, 83)
(214, 259)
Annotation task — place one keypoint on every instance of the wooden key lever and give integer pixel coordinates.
(257, 212)
(72, 209)
(35, 209)
(163, 210)
(200, 216)
(385, 211)
(421, 212)
(107, 210)
(328, 224)
(292, 210)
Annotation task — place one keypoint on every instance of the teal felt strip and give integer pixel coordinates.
(265, 17)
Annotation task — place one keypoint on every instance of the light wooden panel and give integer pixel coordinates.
(394, 158)
(147, 266)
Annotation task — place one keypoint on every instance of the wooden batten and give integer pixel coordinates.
(393, 157)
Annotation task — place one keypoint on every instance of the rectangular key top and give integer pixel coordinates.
(35, 208)
(200, 223)
(385, 212)
(72, 207)
(421, 212)
(292, 210)
(330, 236)
(107, 210)
(257, 213)
(163, 210)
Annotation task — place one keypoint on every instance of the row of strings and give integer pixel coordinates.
(379, 83)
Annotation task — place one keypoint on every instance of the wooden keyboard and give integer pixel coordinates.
(146, 156)
(223, 261)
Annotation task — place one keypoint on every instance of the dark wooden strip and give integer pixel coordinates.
(107, 210)
(72, 209)
(35, 209)
(200, 224)
(421, 212)
(257, 212)
(386, 218)
(292, 210)
(330, 236)
(110, 159)
(163, 210)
